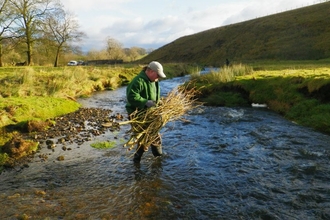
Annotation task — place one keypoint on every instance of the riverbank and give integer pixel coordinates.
(300, 95)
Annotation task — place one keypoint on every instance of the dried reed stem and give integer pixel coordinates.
(147, 124)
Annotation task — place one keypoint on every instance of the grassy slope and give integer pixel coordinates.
(301, 34)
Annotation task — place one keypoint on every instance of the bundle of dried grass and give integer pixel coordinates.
(147, 124)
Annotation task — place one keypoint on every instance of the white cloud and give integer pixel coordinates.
(152, 24)
(260, 8)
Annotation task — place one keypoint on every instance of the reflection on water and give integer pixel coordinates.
(220, 163)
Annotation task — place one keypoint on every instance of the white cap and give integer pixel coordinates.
(157, 67)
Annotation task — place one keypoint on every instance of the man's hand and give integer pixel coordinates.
(150, 103)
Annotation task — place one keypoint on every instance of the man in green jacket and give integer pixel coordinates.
(144, 92)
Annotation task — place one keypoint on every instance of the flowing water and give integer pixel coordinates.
(219, 163)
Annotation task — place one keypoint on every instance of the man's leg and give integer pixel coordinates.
(156, 150)
(138, 154)
(156, 147)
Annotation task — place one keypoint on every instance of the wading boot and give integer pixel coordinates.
(138, 154)
(156, 147)
(156, 150)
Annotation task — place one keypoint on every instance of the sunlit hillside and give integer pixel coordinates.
(300, 34)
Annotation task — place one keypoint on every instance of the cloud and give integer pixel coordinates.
(152, 24)
(155, 32)
(261, 8)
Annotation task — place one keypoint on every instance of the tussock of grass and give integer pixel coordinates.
(3, 159)
(225, 74)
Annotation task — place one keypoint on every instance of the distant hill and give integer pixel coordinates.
(300, 34)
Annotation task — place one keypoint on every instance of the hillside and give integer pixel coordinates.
(300, 34)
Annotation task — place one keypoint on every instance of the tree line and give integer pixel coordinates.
(42, 32)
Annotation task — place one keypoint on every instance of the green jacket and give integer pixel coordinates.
(139, 91)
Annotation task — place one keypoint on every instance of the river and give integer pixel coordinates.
(219, 163)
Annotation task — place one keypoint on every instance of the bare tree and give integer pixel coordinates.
(96, 55)
(133, 53)
(61, 28)
(30, 17)
(114, 49)
(6, 20)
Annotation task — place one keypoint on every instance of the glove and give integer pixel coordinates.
(150, 103)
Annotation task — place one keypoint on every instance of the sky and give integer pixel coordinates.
(151, 24)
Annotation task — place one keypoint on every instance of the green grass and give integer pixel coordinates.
(61, 82)
(299, 95)
(3, 159)
(311, 113)
(18, 109)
